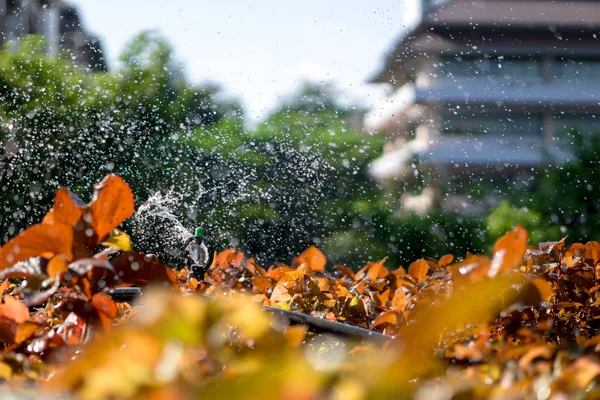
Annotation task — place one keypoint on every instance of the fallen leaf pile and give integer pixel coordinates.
(524, 323)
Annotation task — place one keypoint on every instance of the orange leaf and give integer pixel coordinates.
(544, 287)
(388, 317)
(314, 258)
(575, 250)
(535, 352)
(111, 205)
(67, 209)
(57, 265)
(399, 301)
(290, 283)
(418, 269)
(14, 310)
(277, 273)
(295, 334)
(383, 297)
(377, 270)
(536, 291)
(592, 251)
(445, 260)
(255, 268)
(360, 349)
(35, 240)
(509, 250)
(106, 309)
(346, 271)
(102, 303)
(325, 285)
(230, 258)
(26, 330)
(471, 353)
(305, 270)
(261, 283)
(474, 268)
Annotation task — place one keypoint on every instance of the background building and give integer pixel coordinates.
(482, 89)
(59, 23)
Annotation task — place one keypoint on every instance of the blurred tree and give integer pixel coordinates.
(297, 178)
(60, 126)
(562, 202)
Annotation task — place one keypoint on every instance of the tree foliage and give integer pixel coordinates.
(62, 126)
(562, 202)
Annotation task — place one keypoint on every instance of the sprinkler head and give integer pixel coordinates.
(199, 233)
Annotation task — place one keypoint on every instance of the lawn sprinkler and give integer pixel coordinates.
(200, 254)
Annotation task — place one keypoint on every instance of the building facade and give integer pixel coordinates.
(484, 88)
(60, 25)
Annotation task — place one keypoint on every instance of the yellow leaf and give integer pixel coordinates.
(118, 240)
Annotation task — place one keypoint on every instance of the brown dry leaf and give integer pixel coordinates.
(509, 251)
(549, 247)
(140, 269)
(290, 283)
(399, 300)
(418, 269)
(111, 205)
(193, 284)
(314, 258)
(36, 240)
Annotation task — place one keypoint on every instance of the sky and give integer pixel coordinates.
(260, 51)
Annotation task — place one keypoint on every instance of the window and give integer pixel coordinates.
(501, 67)
(574, 68)
(584, 123)
(492, 125)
